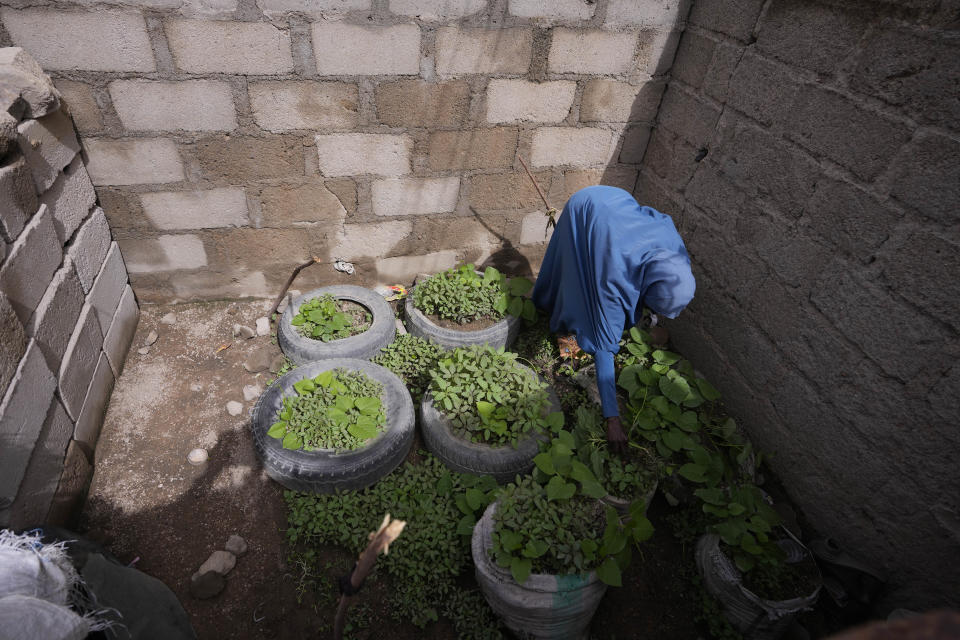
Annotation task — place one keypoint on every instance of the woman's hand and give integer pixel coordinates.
(616, 438)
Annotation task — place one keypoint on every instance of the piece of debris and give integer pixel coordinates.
(196, 386)
(283, 305)
(251, 392)
(277, 363)
(234, 408)
(263, 326)
(391, 292)
(400, 328)
(236, 545)
(223, 347)
(241, 331)
(259, 360)
(206, 585)
(343, 266)
(151, 338)
(197, 457)
(143, 350)
(221, 562)
(170, 318)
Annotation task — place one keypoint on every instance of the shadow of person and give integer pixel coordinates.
(508, 258)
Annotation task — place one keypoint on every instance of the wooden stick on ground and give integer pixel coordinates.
(296, 272)
(379, 541)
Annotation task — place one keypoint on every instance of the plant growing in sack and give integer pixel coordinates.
(461, 295)
(554, 522)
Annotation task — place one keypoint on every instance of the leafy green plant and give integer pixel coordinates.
(326, 318)
(744, 522)
(337, 409)
(461, 295)
(440, 508)
(411, 358)
(489, 397)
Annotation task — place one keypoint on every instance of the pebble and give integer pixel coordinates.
(236, 545)
(197, 456)
(143, 350)
(277, 363)
(283, 304)
(259, 360)
(251, 392)
(151, 338)
(221, 562)
(400, 328)
(263, 326)
(170, 318)
(293, 294)
(242, 331)
(206, 585)
(234, 408)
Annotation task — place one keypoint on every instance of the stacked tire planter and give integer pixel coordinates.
(754, 617)
(503, 463)
(325, 470)
(544, 606)
(364, 345)
(502, 334)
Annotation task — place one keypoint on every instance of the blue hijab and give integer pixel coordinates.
(608, 258)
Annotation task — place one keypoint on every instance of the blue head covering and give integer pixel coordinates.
(608, 258)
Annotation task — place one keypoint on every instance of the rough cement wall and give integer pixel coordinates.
(67, 313)
(229, 140)
(811, 152)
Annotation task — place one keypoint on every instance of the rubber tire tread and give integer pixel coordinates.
(502, 334)
(365, 345)
(503, 463)
(325, 471)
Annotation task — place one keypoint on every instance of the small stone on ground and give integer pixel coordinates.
(151, 338)
(277, 363)
(263, 326)
(143, 350)
(283, 305)
(206, 585)
(259, 360)
(236, 545)
(241, 331)
(170, 318)
(400, 328)
(234, 408)
(251, 392)
(221, 562)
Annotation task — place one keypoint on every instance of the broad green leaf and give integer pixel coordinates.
(641, 529)
(744, 562)
(712, 496)
(689, 421)
(466, 524)
(304, 386)
(292, 441)
(367, 406)
(444, 485)
(673, 439)
(515, 307)
(566, 438)
(461, 501)
(344, 403)
(529, 312)
(520, 569)
(535, 548)
(661, 404)
(636, 335)
(324, 378)
(500, 306)
(692, 472)
(544, 462)
(557, 489)
(364, 429)
(298, 320)
(475, 498)
(675, 389)
(735, 508)
(665, 357)
(730, 531)
(707, 390)
(510, 540)
(277, 429)
(609, 573)
(555, 420)
(520, 286)
(485, 408)
(490, 274)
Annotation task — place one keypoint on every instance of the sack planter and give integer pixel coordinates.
(364, 345)
(622, 505)
(327, 470)
(500, 334)
(504, 463)
(544, 606)
(754, 617)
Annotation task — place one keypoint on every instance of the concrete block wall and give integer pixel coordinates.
(809, 151)
(228, 141)
(67, 312)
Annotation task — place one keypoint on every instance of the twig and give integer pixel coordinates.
(380, 540)
(551, 212)
(296, 272)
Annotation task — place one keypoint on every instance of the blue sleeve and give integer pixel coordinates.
(606, 383)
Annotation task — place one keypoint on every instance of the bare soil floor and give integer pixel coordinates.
(148, 504)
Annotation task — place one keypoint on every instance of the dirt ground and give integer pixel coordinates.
(148, 505)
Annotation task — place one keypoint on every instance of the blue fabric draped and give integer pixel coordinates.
(608, 258)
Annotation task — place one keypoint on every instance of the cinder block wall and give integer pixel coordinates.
(67, 313)
(231, 140)
(811, 152)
